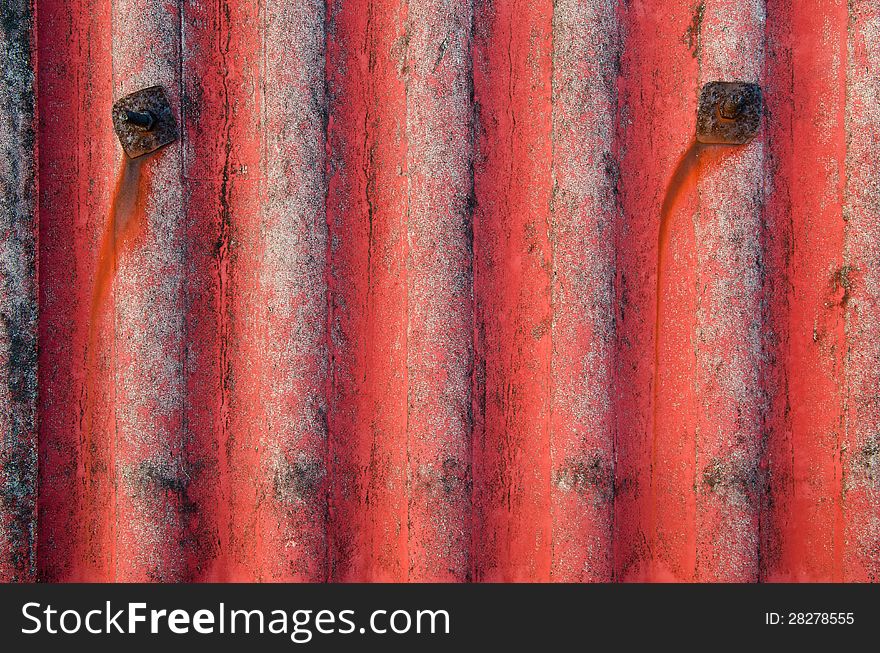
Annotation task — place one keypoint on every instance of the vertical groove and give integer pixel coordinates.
(221, 150)
(367, 206)
(512, 290)
(655, 528)
(806, 95)
(77, 168)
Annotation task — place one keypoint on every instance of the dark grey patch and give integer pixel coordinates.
(589, 474)
(454, 477)
(18, 475)
(441, 50)
(866, 461)
(192, 101)
(611, 167)
(733, 478)
(18, 295)
(297, 481)
(171, 478)
(692, 34)
(843, 282)
(19, 327)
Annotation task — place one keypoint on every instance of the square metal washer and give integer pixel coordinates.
(135, 140)
(729, 112)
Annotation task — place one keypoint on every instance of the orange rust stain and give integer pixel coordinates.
(686, 172)
(125, 222)
(684, 175)
(683, 178)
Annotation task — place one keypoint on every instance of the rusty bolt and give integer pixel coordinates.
(729, 113)
(141, 119)
(144, 121)
(732, 106)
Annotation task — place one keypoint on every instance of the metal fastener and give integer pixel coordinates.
(729, 112)
(144, 121)
(732, 106)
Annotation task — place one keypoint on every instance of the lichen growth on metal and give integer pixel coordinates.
(18, 295)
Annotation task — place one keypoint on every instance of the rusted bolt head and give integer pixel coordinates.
(144, 121)
(732, 106)
(729, 112)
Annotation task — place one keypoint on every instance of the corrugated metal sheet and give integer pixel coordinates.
(387, 310)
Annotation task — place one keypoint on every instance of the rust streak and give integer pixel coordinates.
(124, 224)
(683, 177)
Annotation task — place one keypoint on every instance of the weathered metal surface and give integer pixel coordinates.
(512, 291)
(856, 286)
(584, 207)
(439, 304)
(18, 295)
(398, 305)
(808, 286)
(76, 144)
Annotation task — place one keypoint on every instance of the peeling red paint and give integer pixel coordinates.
(408, 302)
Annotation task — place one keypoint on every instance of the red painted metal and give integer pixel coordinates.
(584, 206)
(76, 512)
(512, 291)
(806, 240)
(367, 203)
(398, 304)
